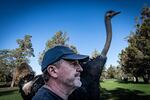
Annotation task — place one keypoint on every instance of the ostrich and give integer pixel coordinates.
(90, 76)
(108, 16)
(92, 70)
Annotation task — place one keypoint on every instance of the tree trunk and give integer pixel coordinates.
(136, 79)
(12, 83)
(14, 78)
(146, 80)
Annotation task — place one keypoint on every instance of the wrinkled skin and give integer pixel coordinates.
(89, 78)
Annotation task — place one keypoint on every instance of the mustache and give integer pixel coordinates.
(77, 74)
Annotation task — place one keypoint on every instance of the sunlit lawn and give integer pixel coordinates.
(114, 90)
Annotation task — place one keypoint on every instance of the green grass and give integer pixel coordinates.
(111, 90)
(114, 84)
(115, 90)
(10, 94)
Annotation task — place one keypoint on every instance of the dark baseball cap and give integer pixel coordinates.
(60, 52)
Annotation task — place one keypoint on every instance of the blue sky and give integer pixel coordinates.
(83, 20)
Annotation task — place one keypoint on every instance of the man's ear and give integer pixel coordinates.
(52, 70)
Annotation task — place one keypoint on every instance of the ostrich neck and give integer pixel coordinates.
(108, 37)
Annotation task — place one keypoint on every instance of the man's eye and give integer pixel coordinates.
(75, 63)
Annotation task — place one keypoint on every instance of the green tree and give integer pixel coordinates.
(104, 74)
(6, 64)
(22, 54)
(59, 38)
(111, 72)
(119, 72)
(135, 58)
(130, 61)
(11, 59)
(95, 53)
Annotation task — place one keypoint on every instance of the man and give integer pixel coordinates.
(61, 73)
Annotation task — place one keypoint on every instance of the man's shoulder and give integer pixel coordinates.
(43, 94)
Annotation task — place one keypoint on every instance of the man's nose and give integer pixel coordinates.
(79, 68)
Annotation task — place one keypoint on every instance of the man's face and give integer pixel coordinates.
(69, 73)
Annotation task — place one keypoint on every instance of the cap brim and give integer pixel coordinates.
(76, 57)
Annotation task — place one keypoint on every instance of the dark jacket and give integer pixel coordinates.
(45, 94)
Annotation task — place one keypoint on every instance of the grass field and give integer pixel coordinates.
(111, 90)
(9, 94)
(115, 90)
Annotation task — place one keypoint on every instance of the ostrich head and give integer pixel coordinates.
(111, 13)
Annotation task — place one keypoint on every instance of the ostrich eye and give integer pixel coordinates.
(111, 11)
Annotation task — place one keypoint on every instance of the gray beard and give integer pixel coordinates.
(77, 83)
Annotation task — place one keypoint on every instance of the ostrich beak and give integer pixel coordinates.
(117, 13)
